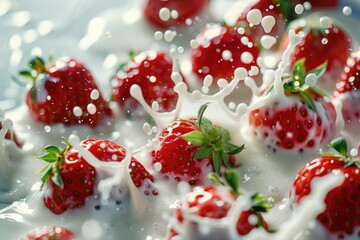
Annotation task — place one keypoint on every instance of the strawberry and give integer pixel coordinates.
(192, 148)
(319, 45)
(214, 202)
(318, 3)
(184, 9)
(341, 215)
(64, 92)
(279, 9)
(347, 89)
(49, 233)
(11, 135)
(152, 72)
(220, 51)
(70, 179)
(302, 120)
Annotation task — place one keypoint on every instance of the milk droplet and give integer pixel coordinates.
(91, 108)
(324, 41)
(152, 79)
(94, 95)
(307, 6)
(91, 229)
(325, 22)
(155, 106)
(164, 14)
(299, 9)
(208, 80)
(169, 35)
(268, 41)
(247, 57)
(77, 111)
(254, 16)
(241, 73)
(311, 79)
(174, 14)
(253, 219)
(158, 166)
(268, 22)
(244, 40)
(241, 30)
(226, 55)
(254, 71)
(158, 35)
(47, 129)
(146, 127)
(347, 11)
(354, 152)
(222, 83)
(194, 44)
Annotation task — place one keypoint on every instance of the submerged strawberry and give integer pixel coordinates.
(347, 89)
(152, 72)
(341, 215)
(302, 120)
(49, 233)
(192, 148)
(70, 179)
(64, 92)
(212, 203)
(183, 10)
(221, 50)
(319, 45)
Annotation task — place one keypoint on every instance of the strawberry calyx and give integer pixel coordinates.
(259, 204)
(212, 140)
(54, 157)
(340, 146)
(37, 66)
(296, 84)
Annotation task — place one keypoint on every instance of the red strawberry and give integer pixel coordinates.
(320, 45)
(278, 9)
(220, 51)
(302, 120)
(70, 179)
(341, 215)
(214, 202)
(49, 233)
(184, 9)
(348, 89)
(318, 3)
(152, 72)
(64, 92)
(190, 149)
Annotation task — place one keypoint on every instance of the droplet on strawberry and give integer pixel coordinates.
(341, 215)
(220, 50)
(173, 13)
(61, 92)
(69, 179)
(347, 89)
(150, 70)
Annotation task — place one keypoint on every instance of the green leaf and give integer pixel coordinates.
(203, 152)
(44, 169)
(260, 203)
(38, 64)
(232, 179)
(213, 135)
(45, 177)
(319, 91)
(225, 159)
(48, 157)
(52, 149)
(215, 178)
(339, 144)
(233, 149)
(319, 70)
(216, 156)
(26, 74)
(201, 113)
(225, 134)
(308, 100)
(196, 138)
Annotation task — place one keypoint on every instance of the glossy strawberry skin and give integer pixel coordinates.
(176, 156)
(341, 215)
(185, 8)
(65, 85)
(139, 70)
(293, 126)
(257, 32)
(49, 233)
(347, 89)
(80, 177)
(336, 50)
(214, 203)
(207, 58)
